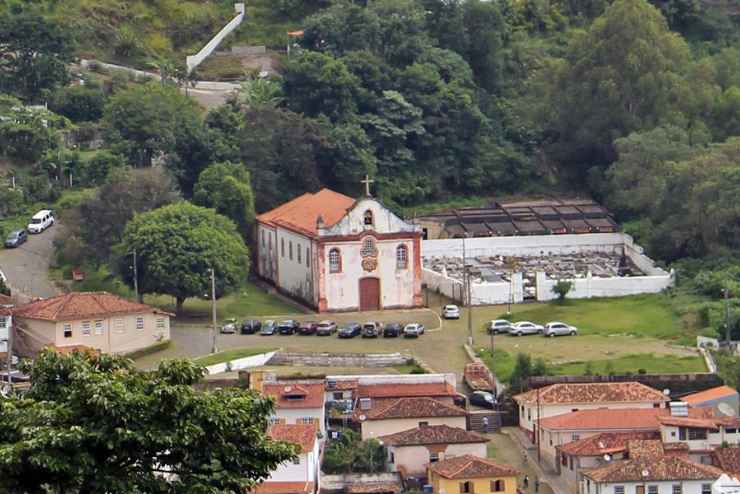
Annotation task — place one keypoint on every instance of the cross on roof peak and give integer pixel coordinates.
(367, 183)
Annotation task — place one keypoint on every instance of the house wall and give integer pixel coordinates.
(528, 414)
(664, 487)
(570, 472)
(377, 428)
(295, 277)
(480, 486)
(670, 434)
(306, 469)
(415, 459)
(295, 416)
(266, 252)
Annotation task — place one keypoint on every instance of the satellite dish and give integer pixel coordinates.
(726, 409)
(667, 392)
(607, 457)
(645, 473)
(363, 417)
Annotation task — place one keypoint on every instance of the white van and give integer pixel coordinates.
(41, 221)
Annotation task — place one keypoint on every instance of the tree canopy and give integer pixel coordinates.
(227, 188)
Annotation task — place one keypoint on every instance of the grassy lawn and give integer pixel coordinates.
(633, 363)
(232, 354)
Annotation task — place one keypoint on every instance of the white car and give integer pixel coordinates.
(499, 326)
(557, 328)
(451, 312)
(413, 330)
(41, 221)
(525, 327)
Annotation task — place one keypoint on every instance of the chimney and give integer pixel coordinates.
(679, 408)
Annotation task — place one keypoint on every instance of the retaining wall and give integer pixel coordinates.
(678, 384)
(194, 60)
(339, 359)
(241, 363)
(339, 483)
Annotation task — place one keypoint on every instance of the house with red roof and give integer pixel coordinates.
(98, 321)
(384, 416)
(335, 253)
(468, 474)
(302, 474)
(298, 403)
(721, 399)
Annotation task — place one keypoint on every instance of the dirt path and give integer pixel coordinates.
(27, 267)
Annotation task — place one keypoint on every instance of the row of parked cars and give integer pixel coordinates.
(370, 329)
(521, 328)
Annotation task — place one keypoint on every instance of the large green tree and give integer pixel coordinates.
(178, 245)
(92, 424)
(227, 188)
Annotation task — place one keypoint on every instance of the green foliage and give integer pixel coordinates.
(4, 290)
(79, 103)
(729, 368)
(562, 288)
(178, 245)
(96, 424)
(349, 454)
(26, 134)
(524, 369)
(227, 188)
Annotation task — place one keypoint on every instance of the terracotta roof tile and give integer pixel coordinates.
(304, 435)
(81, 305)
(270, 487)
(710, 394)
(302, 213)
(605, 443)
(291, 396)
(623, 392)
(433, 434)
(5, 299)
(610, 419)
(645, 449)
(430, 390)
(471, 467)
(342, 385)
(696, 423)
(373, 487)
(664, 468)
(408, 408)
(728, 459)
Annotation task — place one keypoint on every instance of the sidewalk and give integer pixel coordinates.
(544, 473)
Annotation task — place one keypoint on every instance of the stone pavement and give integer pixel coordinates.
(543, 471)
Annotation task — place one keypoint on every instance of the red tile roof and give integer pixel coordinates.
(270, 487)
(342, 385)
(471, 467)
(373, 487)
(5, 299)
(613, 419)
(709, 395)
(304, 435)
(433, 434)
(567, 393)
(430, 390)
(291, 396)
(408, 408)
(81, 305)
(728, 459)
(605, 443)
(665, 468)
(696, 423)
(645, 449)
(302, 213)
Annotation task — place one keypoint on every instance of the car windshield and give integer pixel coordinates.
(35, 221)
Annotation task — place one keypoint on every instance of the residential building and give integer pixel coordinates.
(412, 450)
(381, 417)
(650, 471)
(335, 253)
(702, 435)
(726, 484)
(301, 475)
(6, 320)
(468, 474)
(714, 398)
(298, 403)
(95, 320)
(559, 399)
(442, 387)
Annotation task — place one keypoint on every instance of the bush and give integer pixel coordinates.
(561, 289)
(79, 103)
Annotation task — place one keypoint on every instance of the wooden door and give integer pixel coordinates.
(369, 294)
(640, 489)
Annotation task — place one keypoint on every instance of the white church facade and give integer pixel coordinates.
(335, 253)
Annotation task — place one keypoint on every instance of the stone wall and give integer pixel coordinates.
(339, 359)
(194, 60)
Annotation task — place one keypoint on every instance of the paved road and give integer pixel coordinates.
(27, 267)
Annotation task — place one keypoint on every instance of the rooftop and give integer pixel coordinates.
(271, 487)
(303, 435)
(408, 408)
(651, 469)
(406, 390)
(605, 443)
(302, 213)
(433, 434)
(728, 459)
(625, 419)
(709, 395)
(291, 396)
(81, 305)
(567, 393)
(471, 467)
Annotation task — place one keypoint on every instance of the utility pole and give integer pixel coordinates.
(727, 315)
(136, 277)
(9, 349)
(466, 277)
(539, 433)
(213, 310)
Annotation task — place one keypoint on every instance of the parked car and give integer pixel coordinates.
(288, 327)
(525, 327)
(350, 330)
(413, 330)
(483, 399)
(269, 328)
(557, 328)
(16, 238)
(392, 330)
(251, 326)
(372, 329)
(499, 326)
(451, 312)
(41, 221)
(307, 327)
(326, 328)
(229, 326)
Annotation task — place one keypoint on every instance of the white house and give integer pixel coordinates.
(726, 485)
(336, 253)
(298, 403)
(301, 475)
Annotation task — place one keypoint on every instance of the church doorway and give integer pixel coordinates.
(369, 294)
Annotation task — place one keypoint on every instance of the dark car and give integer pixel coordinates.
(16, 238)
(392, 330)
(483, 399)
(371, 329)
(326, 328)
(307, 327)
(269, 328)
(350, 330)
(288, 327)
(251, 326)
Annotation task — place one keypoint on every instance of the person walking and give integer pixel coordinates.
(526, 481)
(536, 486)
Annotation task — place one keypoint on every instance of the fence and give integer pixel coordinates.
(194, 60)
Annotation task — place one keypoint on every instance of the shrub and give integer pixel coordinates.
(561, 289)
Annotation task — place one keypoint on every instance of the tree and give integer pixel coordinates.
(95, 423)
(562, 288)
(79, 103)
(522, 371)
(227, 188)
(34, 52)
(4, 289)
(349, 454)
(178, 245)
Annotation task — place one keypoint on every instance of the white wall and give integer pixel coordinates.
(5, 322)
(241, 363)
(295, 277)
(267, 253)
(664, 487)
(194, 60)
(306, 470)
(591, 286)
(415, 459)
(354, 222)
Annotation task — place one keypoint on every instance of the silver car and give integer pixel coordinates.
(557, 328)
(451, 312)
(525, 327)
(499, 326)
(413, 330)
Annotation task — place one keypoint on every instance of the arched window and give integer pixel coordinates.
(368, 218)
(402, 257)
(335, 261)
(368, 247)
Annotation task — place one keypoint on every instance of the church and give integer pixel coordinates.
(335, 253)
